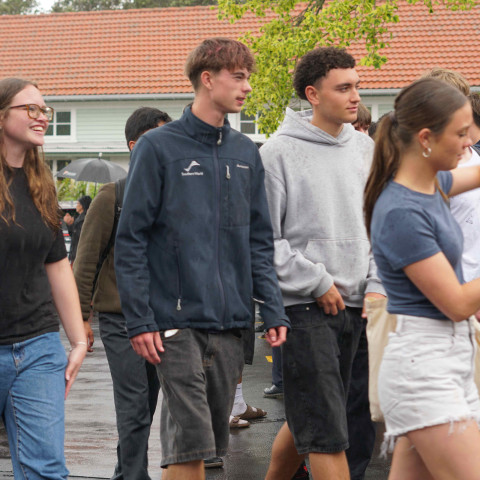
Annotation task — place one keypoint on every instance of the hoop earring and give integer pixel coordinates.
(426, 153)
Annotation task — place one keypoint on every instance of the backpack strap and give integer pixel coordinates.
(119, 192)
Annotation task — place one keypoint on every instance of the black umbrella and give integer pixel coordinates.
(92, 170)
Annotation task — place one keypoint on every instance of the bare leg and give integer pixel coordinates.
(406, 463)
(447, 454)
(185, 471)
(326, 466)
(285, 458)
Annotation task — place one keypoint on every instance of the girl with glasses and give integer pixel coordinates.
(36, 288)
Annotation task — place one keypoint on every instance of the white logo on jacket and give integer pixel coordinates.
(187, 171)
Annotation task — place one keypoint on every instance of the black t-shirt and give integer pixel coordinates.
(26, 305)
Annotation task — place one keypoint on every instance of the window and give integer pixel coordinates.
(247, 124)
(62, 163)
(61, 127)
(57, 165)
(298, 105)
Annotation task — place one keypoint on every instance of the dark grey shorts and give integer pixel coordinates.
(317, 365)
(198, 375)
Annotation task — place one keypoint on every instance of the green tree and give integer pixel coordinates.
(85, 5)
(68, 189)
(297, 28)
(89, 5)
(17, 7)
(166, 3)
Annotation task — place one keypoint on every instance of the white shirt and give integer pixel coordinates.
(466, 210)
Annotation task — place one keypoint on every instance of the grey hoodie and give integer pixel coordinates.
(315, 186)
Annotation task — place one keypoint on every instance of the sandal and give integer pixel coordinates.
(237, 422)
(251, 413)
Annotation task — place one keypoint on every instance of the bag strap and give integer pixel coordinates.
(119, 192)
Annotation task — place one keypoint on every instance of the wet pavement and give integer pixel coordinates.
(90, 432)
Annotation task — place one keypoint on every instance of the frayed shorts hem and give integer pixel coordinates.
(314, 449)
(390, 438)
(192, 456)
(426, 376)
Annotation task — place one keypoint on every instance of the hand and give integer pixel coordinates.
(89, 334)
(147, 345)
(276, 336)
(68, 219)
(75, 359)
(331, 301)
(370, 295)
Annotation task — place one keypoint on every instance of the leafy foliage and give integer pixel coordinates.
(165, 3)
(68, 189)
(17, 7)
(85, 5)
(299, 27)
(89, 5)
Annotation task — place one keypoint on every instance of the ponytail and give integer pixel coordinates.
(386, 159)
(426, 103)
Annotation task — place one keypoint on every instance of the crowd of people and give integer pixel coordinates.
(331, 211)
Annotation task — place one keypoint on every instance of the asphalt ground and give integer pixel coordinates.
(90, 432)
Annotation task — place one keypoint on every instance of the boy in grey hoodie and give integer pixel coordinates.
(316, 168)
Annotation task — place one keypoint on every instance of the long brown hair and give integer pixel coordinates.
(39, 176)
(426, 103)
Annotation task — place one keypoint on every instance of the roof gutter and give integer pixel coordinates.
(368, 92)
(371, 92)
(176, 96)
(115, 97)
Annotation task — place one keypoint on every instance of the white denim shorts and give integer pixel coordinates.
(426, 376)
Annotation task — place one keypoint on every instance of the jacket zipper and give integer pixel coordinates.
(217, 224)
(227, 176)
(179, 284)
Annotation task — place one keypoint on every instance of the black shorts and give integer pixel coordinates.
(317, 365)
(198, 374)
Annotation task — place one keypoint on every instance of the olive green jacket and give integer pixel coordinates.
(94, 237)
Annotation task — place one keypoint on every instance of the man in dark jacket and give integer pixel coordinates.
(135, 381)
(194, 244)
(75, 225)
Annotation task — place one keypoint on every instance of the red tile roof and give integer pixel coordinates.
(143, 51)
(448, 39)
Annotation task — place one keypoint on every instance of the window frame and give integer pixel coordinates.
(73, 127)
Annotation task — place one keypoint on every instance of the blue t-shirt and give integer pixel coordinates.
(407, 227)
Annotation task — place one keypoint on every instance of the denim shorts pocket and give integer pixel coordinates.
(171, 336)
(237, 338)
(430, 348)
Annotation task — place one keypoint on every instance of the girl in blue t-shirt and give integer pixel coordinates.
(426, 387)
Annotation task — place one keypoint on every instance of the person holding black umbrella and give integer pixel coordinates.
(75, 225)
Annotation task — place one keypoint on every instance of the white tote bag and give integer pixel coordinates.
(379, 324)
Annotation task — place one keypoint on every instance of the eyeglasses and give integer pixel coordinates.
(34, 111)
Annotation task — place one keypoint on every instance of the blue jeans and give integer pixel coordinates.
(361, 429)
(32, 390)
(277, 376)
